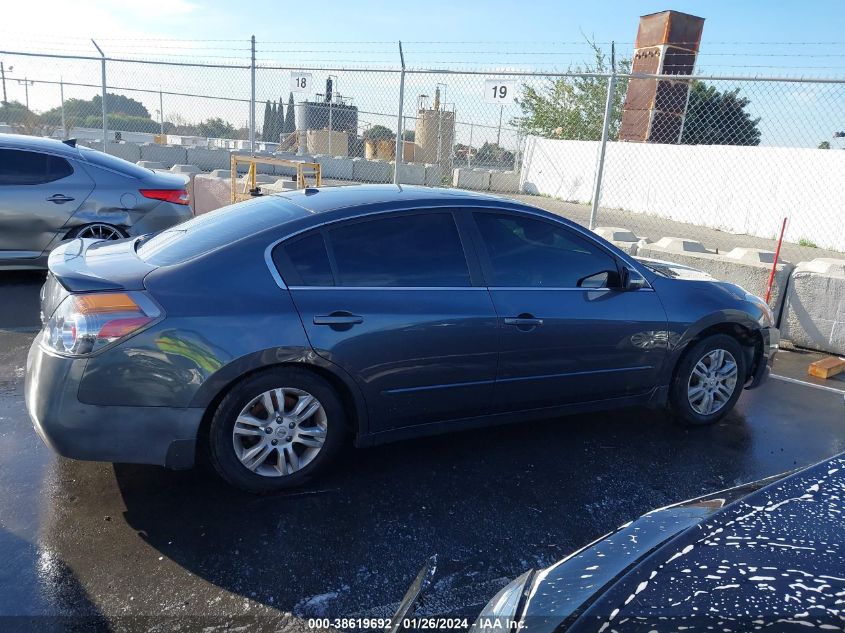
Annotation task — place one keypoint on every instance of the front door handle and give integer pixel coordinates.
(524, 322)
(59, 198)
(338, 318)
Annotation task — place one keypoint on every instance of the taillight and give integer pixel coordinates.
(176, 196)
(83, 324)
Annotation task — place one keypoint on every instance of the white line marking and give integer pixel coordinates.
(807, 384)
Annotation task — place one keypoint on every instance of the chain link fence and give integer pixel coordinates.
(745, 153)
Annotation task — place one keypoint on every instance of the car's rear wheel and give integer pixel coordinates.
(276, 430)
(98, 231)
(709, 380)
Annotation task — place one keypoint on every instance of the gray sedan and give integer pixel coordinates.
(52, 191)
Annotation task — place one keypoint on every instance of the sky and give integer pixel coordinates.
(740, 38)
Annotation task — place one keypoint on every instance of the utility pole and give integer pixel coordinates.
(26, 84)
(3, 76)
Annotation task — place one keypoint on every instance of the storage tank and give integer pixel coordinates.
(435, 131)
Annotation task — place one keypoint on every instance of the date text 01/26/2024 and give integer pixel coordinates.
(417, 623)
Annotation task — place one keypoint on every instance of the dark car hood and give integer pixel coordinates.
(766, 551)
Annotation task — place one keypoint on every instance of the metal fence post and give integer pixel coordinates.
(252, 101)
(62, 96)
(105, 118)
(608, 112)
(400, 146)
(160, 112)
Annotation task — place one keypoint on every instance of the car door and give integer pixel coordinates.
(568, 332)
(392, 301)
(38, 193)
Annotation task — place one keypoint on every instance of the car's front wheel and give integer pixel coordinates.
(276, 430)
(709, 380)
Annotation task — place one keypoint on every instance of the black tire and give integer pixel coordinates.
(679, 395)
(221, 449)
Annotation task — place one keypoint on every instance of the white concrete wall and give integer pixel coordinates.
(746, 190)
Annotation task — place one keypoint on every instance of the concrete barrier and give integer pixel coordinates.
(126, 151)
(370, 170)
(623, 239)
(433, 175)
(814, 312)
(745, 267)
(337, 167)
(477, 179)
(221, 173)
(280, 170)
(167, 155)
(504, 181)
(409, 173)
(149, 164)
(208, 159)
(279, 186)
(211, 192)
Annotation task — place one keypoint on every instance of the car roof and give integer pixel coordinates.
(319, 199)
(38, 143)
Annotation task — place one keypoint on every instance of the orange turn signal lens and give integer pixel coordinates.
(105, 303)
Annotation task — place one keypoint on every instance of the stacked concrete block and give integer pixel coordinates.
(371, 170)
(814, 312)
(167, 155)
(211, 192)
(504, 181)
(208, 159)
(150, 164)
(433, 175)
(126, 151)
(409, 173)
(477, 179)
(221, 173)
(282, 170)
(336, 167)
(745, 267)
(623, 239)
(279, 186)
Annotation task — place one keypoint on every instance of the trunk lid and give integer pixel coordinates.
(86, 265)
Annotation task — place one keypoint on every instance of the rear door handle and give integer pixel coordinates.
(338, 319)
(523, 322)
(60, 198)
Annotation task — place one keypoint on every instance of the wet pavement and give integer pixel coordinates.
(137, 547)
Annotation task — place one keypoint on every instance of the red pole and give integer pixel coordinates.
(775, 263)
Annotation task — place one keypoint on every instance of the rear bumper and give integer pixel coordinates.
(162, 216)
(162, 436)
(771, 342)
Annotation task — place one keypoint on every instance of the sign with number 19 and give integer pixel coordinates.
(499, 91)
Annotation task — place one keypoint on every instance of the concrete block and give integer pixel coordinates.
(211, 192)
(433, 175)
(279, 186)
(167, 155)
(814, 312)
(221, 173)
(370, 170)
(149, 164)
(504, 181)
(622, 239)
(126, 151)
(409, 173)
(337, 167)
(185, 169)
(208, 159)
(745, 267)
(477, 179)
(280, 170)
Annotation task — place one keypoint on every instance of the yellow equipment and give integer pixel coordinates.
(304, 171)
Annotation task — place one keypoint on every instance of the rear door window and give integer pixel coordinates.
(420, 250)
(19, 167)
(310, 261)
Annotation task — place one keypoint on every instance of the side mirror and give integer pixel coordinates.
(632, 280)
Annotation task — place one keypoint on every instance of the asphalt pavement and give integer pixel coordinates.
(126, 547)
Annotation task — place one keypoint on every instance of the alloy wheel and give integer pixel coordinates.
(280, 432)
(712, 382)
(100, 232)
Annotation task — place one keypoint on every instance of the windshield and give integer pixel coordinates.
(207, 232)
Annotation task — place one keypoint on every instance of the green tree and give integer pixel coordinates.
(718, 118)
(379, 133)
(824, 145)
(216, 128)
(290, 120)
(280, 124)
(572, 107)
(14, 112)
(89, 113)
(265, 129)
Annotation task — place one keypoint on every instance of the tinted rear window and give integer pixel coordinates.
(113, 162)
(31, 168)
(207, 232)
(311, 261)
